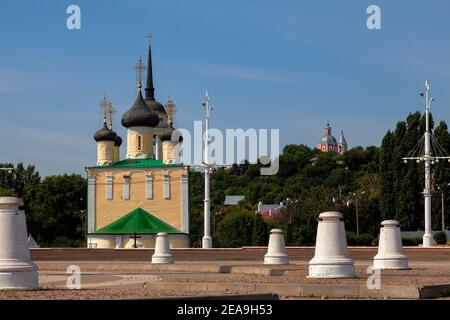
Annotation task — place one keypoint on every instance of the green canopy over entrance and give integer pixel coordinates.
(137, 221)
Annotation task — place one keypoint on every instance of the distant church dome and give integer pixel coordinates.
(329, 143)
(105, 134)
(328, 139)
(140, 115)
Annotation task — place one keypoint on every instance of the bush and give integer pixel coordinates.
(375, 242)
(363, 239)
(412, 241)
(440, 237)
(63, 242)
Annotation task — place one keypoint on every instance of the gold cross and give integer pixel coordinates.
(104, 106)
(140, 67)
(110, 111)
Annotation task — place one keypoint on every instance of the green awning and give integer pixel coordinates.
(137, 221)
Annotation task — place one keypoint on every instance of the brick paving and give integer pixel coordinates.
(124, 274)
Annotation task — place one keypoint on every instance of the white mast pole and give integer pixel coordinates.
(428, 158)
(207, 240)
(427, 237)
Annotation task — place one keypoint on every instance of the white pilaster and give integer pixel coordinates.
(158, 148)
(91, 204)
(185, 203)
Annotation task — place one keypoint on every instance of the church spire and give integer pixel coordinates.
(149, 89)
(342, 138)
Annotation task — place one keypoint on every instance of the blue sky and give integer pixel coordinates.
(291, 65)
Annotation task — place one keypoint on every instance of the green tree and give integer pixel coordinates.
(260, 234)
(235, 229)
(57, 210)
(7, 193)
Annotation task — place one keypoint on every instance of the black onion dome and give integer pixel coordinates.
(168, 136)
(140, 115)
(155, 105)
(105, 134)
(118, 141)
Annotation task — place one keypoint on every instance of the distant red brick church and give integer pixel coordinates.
(328, 143)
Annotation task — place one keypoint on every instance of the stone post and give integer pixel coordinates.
(331, 259)
(276, 253)
(162, 249)
(17, 271)
(390, 250)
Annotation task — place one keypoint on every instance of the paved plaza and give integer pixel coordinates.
(129, 274)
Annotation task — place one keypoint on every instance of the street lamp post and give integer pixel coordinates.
(207, 240)
(288, 205)
(356, 195)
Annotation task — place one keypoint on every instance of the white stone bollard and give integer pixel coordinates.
(276, 253)
(17, 271)
(162, 249)
(331, 259)
(390, 250)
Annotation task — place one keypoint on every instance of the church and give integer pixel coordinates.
(328, 143)
(132, 199)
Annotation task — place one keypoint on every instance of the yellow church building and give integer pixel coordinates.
(130, 200)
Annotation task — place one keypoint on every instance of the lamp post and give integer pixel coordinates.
(207, 240)
(442, 204)
(288, 207)
(289, 203)
(356, 195)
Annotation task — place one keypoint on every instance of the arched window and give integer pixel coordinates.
(108, 152)
(139, 142)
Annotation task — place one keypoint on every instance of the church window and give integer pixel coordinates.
(139, 142)
(108, 153)
(109, 187)
(126, 188)
(166, 187)
(149, 187)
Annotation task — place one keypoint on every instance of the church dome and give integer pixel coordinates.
(140, 115)
(118, 141)
(328, 139)
(155, 105)
(105, 134)
(168, 136)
